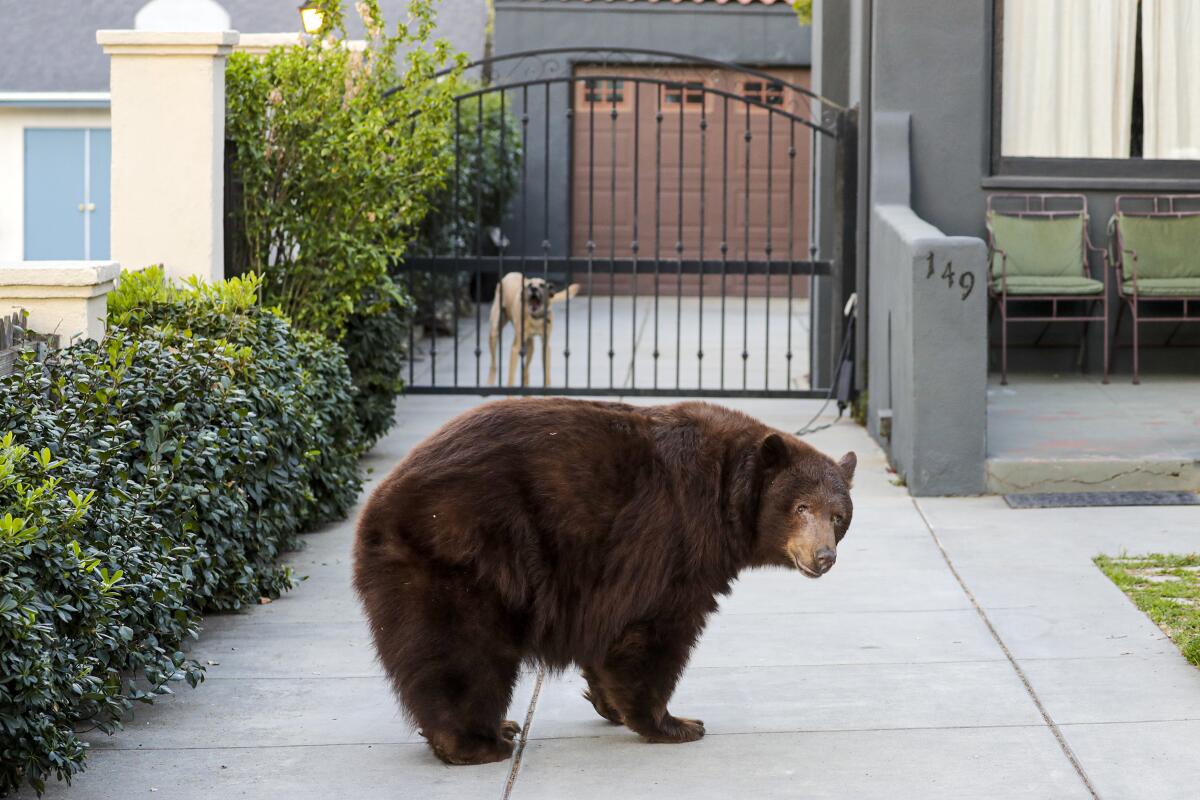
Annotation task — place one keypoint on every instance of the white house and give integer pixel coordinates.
(55, 139)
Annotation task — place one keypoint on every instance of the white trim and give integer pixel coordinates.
(56, 99)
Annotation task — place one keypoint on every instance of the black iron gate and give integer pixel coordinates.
(633, 222)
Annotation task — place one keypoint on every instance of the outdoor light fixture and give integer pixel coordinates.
(312, 17)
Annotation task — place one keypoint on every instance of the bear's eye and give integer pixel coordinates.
(838, 519)
(801, 509)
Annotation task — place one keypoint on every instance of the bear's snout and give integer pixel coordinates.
(825, 558)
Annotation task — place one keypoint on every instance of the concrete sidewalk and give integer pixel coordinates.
(959, 649)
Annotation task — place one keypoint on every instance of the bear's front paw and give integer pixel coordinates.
(677, 730)
(509, 730)
(602, 706)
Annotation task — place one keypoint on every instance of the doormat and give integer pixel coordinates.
(1081, 499)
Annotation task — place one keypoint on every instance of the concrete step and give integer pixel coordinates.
(1014, 475)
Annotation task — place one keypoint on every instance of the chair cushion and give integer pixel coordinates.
(1050, 285)
(1166, 247)
(1039, 246)
(1165, 287)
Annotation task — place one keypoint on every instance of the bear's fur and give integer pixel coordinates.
(568, 532)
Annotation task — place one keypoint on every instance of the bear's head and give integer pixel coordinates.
(803, 507)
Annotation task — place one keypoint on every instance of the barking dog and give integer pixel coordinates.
(526, 303)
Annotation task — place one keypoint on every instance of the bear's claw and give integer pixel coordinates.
(677, 730)
(602, 707)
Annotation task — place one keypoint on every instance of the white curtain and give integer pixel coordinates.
(1171, 78)
(1067, 88)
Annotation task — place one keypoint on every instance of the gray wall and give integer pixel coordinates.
(754, 35)
(928, 346)
(50, 45)
(932, 58)
(930, 363)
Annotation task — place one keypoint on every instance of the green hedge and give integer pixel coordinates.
(145, 480)
(376, 345)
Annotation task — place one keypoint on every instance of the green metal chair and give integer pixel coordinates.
(1038, 251)
(1156, 244)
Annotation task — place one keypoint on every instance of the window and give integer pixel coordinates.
(1097, 89)
(602, 90)
(689, 93)
(767, 92)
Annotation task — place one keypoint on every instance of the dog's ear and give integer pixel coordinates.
(565, 294)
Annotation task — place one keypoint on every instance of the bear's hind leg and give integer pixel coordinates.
(638, 677)
(460, 698)
(453, 657)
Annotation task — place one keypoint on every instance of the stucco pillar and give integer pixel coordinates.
(168, 147)
(67, 298)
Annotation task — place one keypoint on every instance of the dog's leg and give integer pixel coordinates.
(492, 336)
(527, 361)
(513, 353)
(496, 320)
(546, 353)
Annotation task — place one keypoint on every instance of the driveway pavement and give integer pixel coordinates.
(959, 649)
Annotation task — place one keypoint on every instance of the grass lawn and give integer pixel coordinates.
(1167, 588)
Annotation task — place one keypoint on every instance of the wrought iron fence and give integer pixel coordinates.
(660, 241)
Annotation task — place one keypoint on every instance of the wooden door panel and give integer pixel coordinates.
(691, 177)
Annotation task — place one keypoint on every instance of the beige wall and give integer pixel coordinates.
(168, 140)
(13, 122)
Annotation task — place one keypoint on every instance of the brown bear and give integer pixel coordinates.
(561, 532)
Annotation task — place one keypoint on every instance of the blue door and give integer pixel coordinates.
(67, 173)
(99, 175)
(55, 207)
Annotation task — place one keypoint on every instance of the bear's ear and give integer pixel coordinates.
(847, 465)
(773, 452)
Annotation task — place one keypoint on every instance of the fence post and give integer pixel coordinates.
(168, 148)
(845, 213)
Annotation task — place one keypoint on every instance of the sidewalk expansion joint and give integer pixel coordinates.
(1037, 701)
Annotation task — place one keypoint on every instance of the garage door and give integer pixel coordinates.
(669, 163)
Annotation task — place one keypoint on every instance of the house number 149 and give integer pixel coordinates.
(966, 281)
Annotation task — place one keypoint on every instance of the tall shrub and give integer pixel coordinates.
(337, 173)
(340, 153)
